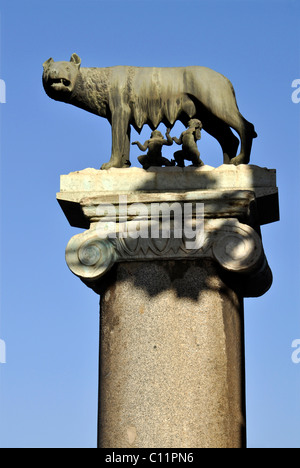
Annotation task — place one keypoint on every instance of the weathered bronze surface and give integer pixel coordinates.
(137, 96)
(154, 146)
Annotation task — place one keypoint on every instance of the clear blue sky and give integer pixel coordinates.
(49, 319)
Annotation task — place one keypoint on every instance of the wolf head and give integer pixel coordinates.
(59, 78)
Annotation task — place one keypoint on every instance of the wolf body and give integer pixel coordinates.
(136, 96)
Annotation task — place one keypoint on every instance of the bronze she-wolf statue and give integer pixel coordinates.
(137, 96)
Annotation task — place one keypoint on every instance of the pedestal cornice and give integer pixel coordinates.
(235, 201)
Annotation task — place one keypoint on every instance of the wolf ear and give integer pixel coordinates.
(75, 59)
(47, 63)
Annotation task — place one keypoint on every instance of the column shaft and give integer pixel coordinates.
(171, 357)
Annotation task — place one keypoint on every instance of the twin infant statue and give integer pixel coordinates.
(188, 139)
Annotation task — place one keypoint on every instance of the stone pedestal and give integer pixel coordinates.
(171, 357)
(171, 344)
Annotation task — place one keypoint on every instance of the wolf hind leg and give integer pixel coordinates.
(222, 132)
(179, 158)
(247, 133)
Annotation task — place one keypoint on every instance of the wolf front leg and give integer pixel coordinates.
(126, 151)
(120, 129)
